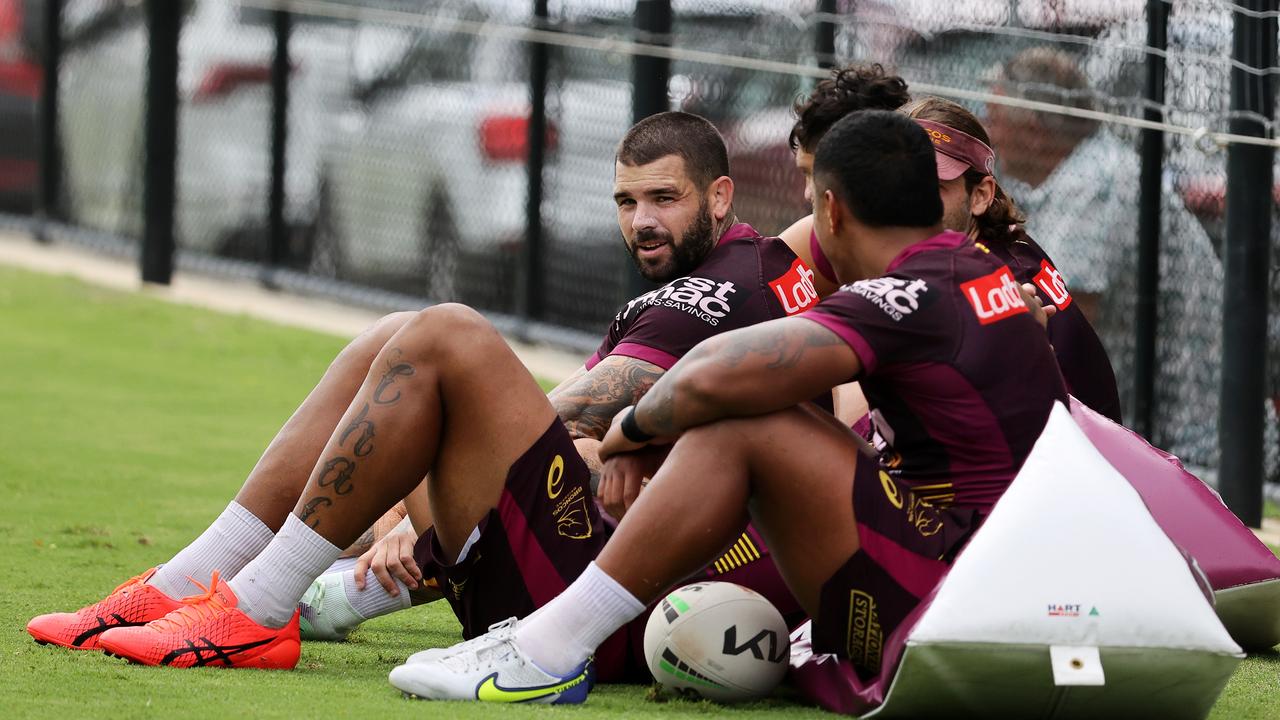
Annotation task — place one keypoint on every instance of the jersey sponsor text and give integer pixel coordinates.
(794, 288)
(898, 297)
(994, 297)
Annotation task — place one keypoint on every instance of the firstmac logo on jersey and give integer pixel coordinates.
(994, 297)
(794, 288)
(708, 300)
(898, 297)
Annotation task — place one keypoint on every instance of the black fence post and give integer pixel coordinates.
(1246, 260)
(164, 20)
(277, 231)
(1146, 323)
(650, 79)
(532, 306)
(48, 206)
(825, 40)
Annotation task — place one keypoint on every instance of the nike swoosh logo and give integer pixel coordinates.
(490, 691)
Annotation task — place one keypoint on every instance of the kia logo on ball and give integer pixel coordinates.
(777, 652)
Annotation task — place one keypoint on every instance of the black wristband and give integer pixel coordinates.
(632, 431)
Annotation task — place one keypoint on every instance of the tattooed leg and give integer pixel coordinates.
(273, 486)
(445, 396)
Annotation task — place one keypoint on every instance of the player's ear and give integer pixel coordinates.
(984, 193)
(834, 212)
(720, 197)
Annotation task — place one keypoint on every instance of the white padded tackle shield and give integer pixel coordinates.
(1070, 601)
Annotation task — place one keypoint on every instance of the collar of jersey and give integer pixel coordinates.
(945, 240)
(737, 232)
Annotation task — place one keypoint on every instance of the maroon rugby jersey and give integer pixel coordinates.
(746, 279)
(1081, 356)
(959, 376)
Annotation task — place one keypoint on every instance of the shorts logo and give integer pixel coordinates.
(555, 475)
(1052, 283)
(891, 489)
(898, 297)
(572, 520)
(994, 297)
(706, 299)
(866, 639)
(794, 288)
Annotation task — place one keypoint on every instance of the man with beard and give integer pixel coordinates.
(443, 397)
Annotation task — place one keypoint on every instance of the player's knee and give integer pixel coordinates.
(442, 329)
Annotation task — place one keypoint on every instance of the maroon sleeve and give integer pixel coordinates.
(888, 320)
(663, 335)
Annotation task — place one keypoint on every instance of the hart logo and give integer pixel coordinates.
(994, 297)
(1064, 610)
(708, 300)
(795, 288)
(1051, 282)
(898, 297)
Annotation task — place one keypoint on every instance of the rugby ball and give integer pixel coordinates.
(718, 640)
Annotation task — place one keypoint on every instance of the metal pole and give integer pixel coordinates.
(650, 79)
(1246, 260)
(538, 60)
(50, 149)
(278, 232)
(164, 18)
(825, 42)
(1146, 323)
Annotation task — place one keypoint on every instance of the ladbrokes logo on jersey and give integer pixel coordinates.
(1051, 282)
(794, 288)
(708, 300)
(994, 297)
(898, 297)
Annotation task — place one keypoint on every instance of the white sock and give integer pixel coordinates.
(374, 601)
(342, 565)
(567, 630)
(235, 538)
(270, 586)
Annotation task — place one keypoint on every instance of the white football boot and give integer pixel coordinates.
(490, 668)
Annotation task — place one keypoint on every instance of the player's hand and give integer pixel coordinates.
(1039, 310)
(624, 475)
(391, 557)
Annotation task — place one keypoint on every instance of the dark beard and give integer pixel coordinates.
(686, 254)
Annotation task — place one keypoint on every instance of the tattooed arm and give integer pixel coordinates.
(587, 402)
(751, 371)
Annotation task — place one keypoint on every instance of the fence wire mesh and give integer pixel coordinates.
(408, 138)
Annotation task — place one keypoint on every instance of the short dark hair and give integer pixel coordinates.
(849, 89)
(881, 165)
(691, 137)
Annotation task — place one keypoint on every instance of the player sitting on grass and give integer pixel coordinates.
(438, 394)
(961, 380)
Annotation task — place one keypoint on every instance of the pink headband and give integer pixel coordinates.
(958, 151)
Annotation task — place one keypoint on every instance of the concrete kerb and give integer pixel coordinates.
(237, 296)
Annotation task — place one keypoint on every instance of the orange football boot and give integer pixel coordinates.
(132, 603)
(208, 630)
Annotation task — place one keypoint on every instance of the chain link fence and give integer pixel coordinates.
(408, 144)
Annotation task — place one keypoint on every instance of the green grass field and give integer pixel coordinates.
(126, 425)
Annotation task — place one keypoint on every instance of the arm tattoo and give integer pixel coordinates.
(587, 406)
(747, 356)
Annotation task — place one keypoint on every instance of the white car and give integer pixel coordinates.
(425, 185)
(224, 122)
